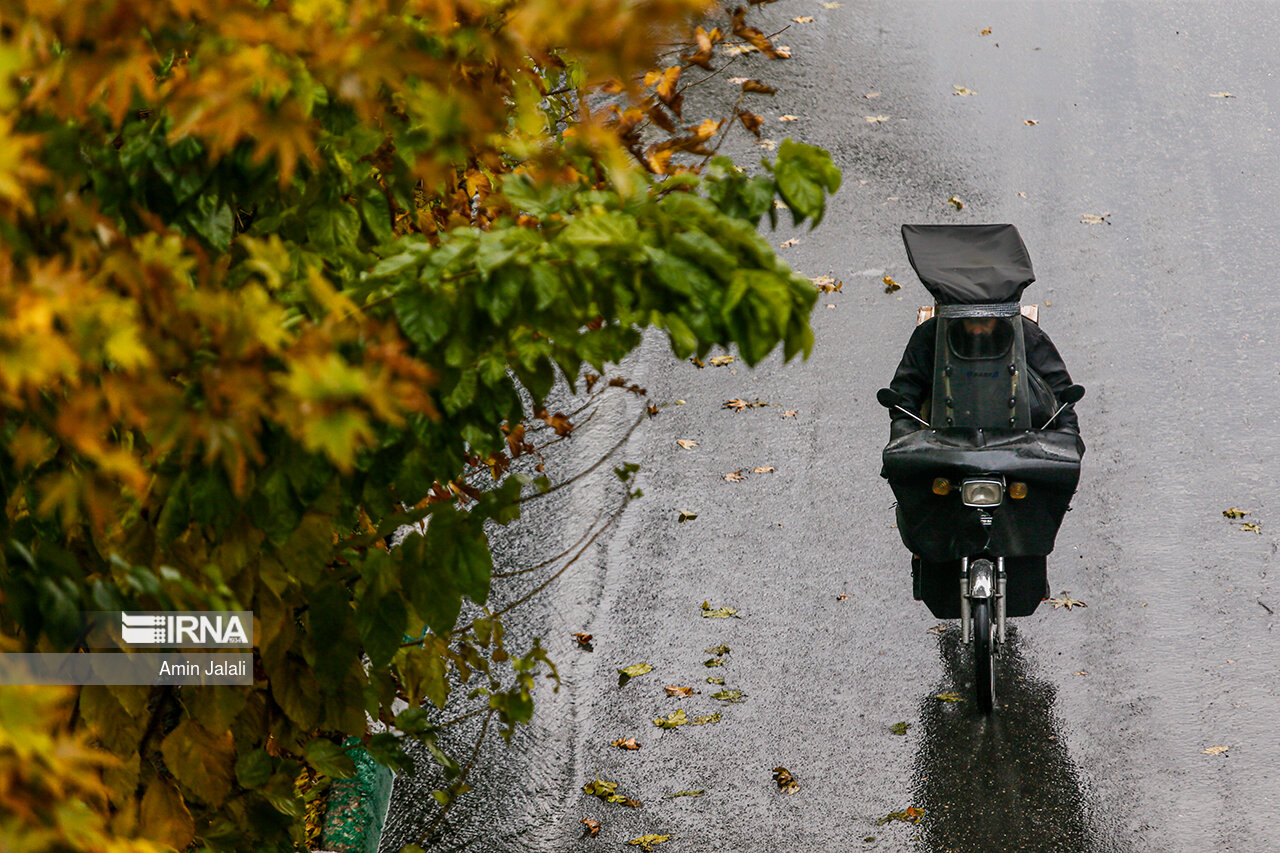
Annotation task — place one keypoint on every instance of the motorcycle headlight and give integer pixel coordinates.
(982, 492)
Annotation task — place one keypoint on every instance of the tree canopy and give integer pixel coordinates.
(274, 277)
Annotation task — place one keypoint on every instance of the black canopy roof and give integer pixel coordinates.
(969, 264)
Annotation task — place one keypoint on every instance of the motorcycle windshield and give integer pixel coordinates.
(980, 367)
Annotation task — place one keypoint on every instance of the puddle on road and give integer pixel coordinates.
(1003, 782)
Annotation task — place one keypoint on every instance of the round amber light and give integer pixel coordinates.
(942, 486)
(1017, 491)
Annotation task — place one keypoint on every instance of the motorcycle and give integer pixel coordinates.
(981, 489)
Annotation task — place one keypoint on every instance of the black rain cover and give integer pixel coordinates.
(969, 264)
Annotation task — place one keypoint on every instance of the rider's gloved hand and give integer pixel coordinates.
(899, 427)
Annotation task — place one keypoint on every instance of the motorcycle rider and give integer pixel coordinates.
(981, 336)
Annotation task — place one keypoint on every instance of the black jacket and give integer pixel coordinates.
(914, 377)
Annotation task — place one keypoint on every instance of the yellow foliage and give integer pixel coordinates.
(52, 793)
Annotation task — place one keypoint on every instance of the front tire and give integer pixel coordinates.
(984, 674)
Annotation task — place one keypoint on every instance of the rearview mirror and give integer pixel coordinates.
(1072, 394)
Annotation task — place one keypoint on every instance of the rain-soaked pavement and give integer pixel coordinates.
(1165, 311)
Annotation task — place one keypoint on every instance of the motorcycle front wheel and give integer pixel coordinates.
(984, 674)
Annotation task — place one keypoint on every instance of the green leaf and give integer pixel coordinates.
(376, 213)
(254, 768)
(457, 542)
(176, 514)
(627, 673)
(381, 620)
(429, 585)
(413, 721)
(165, 817)
(201, 760)
(803, 172)
(332, 226)
(385, 749)
(211, 220)
(329, 758)
(683, 341)
(424, 673)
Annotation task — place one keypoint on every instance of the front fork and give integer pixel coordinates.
(985, 581)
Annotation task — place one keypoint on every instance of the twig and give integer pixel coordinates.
(559, 556)
(462, 777)
(1266, 608)
(558, 486)
(522, 599)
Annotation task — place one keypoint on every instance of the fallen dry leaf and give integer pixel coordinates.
(876, 119)
(1081, 672)
(592, 826)
(803, 19)
(871, 95)
(790, 413)
(1064, 600)
(763, 469)
(584, 640)
(831, 5)
(1022, 195)
(719, 651)
(628, 743)
(685, 515)
(1251, 528)
(673, 690)
(827, 284)
(731, 697)
(719, 612)
(899, 729)
(608, 791)
(911, 814)
(786, 782)
(782, 51)
(1095, 218)
(842, 597)
(787, 244)
(737, 49)
(963, 91)
(738, 81)
(627, 673)
(1233, 512)
(1215, 750)
(1222, 95)
(675, 794)
(955, 202)
(1030, 122)
(720, 360)
(890, 285)
(714, 662)
(670, 721)
(734, 476)
(738, 405)
(937, 629)
(686, 443)
(707, 720)
(949, 696)
(646, 842)
(986, 31)
(715, 679)
(769, 145)
(788, 117)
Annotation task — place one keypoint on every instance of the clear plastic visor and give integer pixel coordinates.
(979, 337)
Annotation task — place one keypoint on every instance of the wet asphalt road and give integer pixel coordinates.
(1166, 312)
